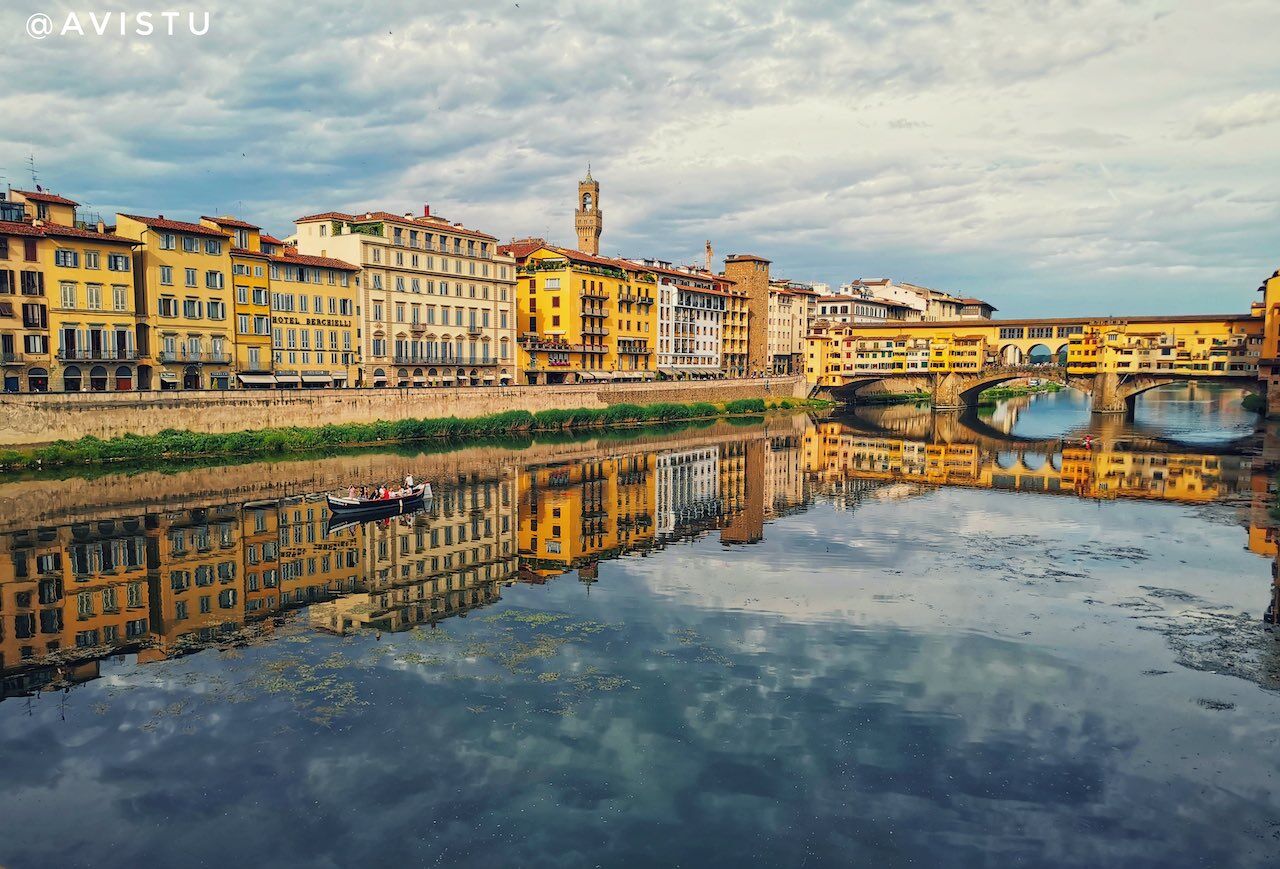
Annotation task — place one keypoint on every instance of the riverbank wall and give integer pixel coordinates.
(36, 419)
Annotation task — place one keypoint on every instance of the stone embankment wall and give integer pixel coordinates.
(30, 420)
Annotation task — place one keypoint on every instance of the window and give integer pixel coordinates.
(190, 244)
(120, 297)
(93, 297)
(68, 295)
(168, 306)
(66, 258)
(217, 310)
(213, 280)
(168, 241)
(212, 246)
(166, 275)
(191, 277)
(118, 262)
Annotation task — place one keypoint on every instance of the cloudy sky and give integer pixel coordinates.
(1052, 157)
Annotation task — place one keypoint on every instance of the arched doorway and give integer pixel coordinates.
(504, 377)
(475, 377)
(13, 381)
(402, 377)
(38, 380)
(191, 377)
(124, 379)
(1010, 355)
(71, 381)
(379, 377)
(98, 378)
(418, 377)
(1040, 354)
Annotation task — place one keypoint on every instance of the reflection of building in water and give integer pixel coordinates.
(424, 567)
(784, 477)
(833, 451)
(742, 488)
(194, 556)
(174, 582)
(67, 590)
(573, 515)
(688, 489)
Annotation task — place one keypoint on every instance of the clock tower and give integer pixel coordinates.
(588, 219)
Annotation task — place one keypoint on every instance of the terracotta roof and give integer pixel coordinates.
(437, 224)
(229, 221)
(270, 239)
(679, 273)
(320, 262)
(244, 251)
(58, 230)
(325, 215)
(12, 228)
(745, 257)
(40, 196)
(521, 249)
(177, 226)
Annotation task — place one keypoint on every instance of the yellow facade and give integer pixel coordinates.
(1180, 345)
(582, 317)
(183, 280)
(575, 515)
(251, 300)
(733, 347)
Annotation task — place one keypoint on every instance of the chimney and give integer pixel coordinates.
(426, 210)
(102, 228)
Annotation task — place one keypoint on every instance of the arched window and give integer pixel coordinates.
(98, 378)
(38, 380)
(124, 379)
(586, 202)
(71, 379)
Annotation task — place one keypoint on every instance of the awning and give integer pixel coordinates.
(168, 375)
(488, 375)
(339, 375)
(317, 379)
(288, 378)
(257, 379)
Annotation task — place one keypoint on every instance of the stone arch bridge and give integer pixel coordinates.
(1111, 392)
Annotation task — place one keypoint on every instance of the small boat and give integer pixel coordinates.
(375, 507)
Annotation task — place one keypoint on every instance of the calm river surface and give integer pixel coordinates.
(883, 639)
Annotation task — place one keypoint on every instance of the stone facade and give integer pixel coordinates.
(751, 275)
(34, 419)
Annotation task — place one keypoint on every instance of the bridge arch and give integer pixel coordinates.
(1011, 354)
(1061, 355)
(1040, 354)
(1131, 390)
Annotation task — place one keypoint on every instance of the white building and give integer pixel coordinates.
(691, 310)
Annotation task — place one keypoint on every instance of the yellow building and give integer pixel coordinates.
(733, 348)
(197, 564)
(24, 305)
(1190, 345)
(251, 301)
(582, 317)
(183, 280)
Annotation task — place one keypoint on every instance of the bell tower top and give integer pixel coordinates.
(588, 219)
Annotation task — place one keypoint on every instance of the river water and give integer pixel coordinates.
(886, 638)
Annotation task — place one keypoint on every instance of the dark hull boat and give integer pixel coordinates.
(375, 508)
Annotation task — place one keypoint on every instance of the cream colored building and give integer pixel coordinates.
(437, 300)
(789, 319)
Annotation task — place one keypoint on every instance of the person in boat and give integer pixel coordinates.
(386, 494)
(351, 492)
(408, 482)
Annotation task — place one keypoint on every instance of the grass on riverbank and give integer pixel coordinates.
(174, 444)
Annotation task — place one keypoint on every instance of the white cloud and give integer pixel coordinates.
(1035, 154)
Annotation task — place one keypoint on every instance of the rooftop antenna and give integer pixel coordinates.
(31, 164)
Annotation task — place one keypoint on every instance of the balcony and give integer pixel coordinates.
(192, 357)
(102, 354)
(589, 310)
(601, 331)
(12, 358)
(594, 294)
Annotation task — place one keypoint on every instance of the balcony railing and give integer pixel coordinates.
(595, 330)
(589, 310)
(593, 294)
(104, 354)
(10, 358)
(189, 356)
